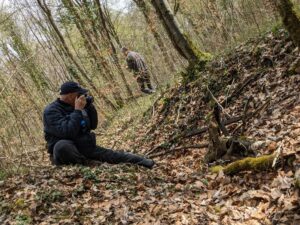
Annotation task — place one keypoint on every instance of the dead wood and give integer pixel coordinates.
(225, 147)
(261, 163)
(205, 145)
(257, 164)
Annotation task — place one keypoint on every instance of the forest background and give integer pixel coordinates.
(43, 44)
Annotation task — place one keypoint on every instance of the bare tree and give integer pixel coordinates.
(290, 19)
(179, 40)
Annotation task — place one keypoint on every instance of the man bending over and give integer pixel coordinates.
(136, 64)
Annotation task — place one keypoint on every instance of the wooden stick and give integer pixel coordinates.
(205, 145)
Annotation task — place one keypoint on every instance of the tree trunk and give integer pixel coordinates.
(290, 19)
(144, 7)
(179, 40)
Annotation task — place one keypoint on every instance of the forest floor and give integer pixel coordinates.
(181, 189)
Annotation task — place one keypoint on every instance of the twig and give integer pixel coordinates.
(245, 113)
(204, 129)
(205, 145)
(25, 60)
(248, 116)
(238, 91)
(278, 151)
(178, 113)
(214, 98)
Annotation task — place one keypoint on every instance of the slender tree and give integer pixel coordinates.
(180, 41)
(290, 19)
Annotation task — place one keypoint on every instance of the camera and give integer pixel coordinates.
(89, 99)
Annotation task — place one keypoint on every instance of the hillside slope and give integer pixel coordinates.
(180, 189)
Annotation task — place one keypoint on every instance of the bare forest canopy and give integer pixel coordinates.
(44, 43)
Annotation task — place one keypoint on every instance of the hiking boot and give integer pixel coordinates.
(148, 163)
(152, 91)
(146, 90)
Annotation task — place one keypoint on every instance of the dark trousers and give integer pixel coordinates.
(143, 79)
(65, 152)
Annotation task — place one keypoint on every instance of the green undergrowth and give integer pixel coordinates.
(8, 171)
(3, 175)
(131, 116)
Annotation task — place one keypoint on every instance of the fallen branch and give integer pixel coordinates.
(245, 112)
(257, 164)
(191, 133)
(261, 163)
(217, 113)
(205, 145)
(250, 115)
(197, 131)
(204, 129)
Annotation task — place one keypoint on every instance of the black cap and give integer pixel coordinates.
(71, 87)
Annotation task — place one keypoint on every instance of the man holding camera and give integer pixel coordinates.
(68, 122)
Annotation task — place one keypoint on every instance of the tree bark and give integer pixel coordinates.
(179, 40)
(290, 19)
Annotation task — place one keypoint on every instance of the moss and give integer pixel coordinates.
(290, 17)
(194, 69)
(256, 164)
(20, 203)
(3, 175)
(276, 28)
(216, 169)
(296, 10)
(202, 56)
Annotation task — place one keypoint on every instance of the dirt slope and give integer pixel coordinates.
(180, 190)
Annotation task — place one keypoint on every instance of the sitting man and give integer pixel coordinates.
(136, 63)
(68, 122)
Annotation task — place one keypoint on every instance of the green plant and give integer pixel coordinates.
(50, 196)
(88, 173)
(23, 219)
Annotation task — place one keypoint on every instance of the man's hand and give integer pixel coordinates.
(80, 102)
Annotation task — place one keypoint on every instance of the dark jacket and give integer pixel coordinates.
(62, 121)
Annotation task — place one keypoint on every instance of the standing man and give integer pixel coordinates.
(136, 63)
(68, 122)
